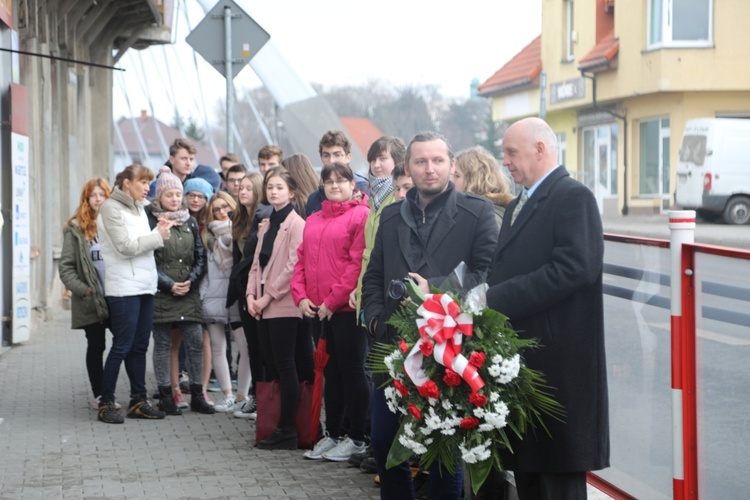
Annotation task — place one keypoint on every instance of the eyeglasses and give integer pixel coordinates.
(331, 182)
(336, 156)
(224, 208)
(195, 196)
(235, 180)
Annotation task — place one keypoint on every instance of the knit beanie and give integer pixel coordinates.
(166, 180)
(200, 186)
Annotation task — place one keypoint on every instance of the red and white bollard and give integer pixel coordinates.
(682, 230)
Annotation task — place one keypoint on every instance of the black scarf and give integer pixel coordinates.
(277, 217)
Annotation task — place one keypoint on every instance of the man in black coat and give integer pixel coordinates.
(546, 276)
(425, 236)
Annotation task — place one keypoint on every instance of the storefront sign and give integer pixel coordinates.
(21, 238)
(568, 90)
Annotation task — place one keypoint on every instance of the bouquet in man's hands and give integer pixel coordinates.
(458, 381)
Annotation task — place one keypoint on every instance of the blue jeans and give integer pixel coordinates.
(396, 483)
(130, 323)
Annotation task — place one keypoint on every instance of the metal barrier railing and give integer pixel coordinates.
(649, 290)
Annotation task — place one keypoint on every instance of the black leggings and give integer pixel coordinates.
(257, 366)
(278, 342)
(96, 335)
(347, 388)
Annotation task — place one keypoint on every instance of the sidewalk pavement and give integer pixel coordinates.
(657, 226)
(53, 446)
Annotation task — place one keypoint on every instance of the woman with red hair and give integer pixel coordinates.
(82, 272)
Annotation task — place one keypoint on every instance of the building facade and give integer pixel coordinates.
(58, 62)
(618, 81)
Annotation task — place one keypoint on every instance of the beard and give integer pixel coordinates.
(431, 192)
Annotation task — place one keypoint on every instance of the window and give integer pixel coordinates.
(680, 23)
(654, 157)
(561, 148)
(569, 33)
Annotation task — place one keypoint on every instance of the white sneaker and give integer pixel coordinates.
(342, 451)
(225, 405)
(319, 449)
(249, 410)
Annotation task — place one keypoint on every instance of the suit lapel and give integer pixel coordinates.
(508, 232)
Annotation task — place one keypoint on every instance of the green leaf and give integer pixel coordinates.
(398, 453)
(416, 295)
(479, 473)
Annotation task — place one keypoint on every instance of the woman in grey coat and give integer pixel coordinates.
(214, 288)
(82, 272)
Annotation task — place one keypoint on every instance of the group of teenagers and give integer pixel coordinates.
(279, 258)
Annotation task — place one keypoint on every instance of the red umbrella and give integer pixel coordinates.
(321, 358)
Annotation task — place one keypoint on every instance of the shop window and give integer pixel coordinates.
(680, 23)
(561, 148)
(654, 157)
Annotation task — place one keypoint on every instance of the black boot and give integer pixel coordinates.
(282, 438)
(198, 402)
(166, 401)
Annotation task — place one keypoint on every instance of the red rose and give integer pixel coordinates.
(429, 390)
(426, 347)
(403, 345)
(451, 378)
(469, 422)
(418, 414)
(477, 399)
(401, 388)
(477, 359)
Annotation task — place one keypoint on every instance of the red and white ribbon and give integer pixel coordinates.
(443, 322)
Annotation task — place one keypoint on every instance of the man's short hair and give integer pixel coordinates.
(334, 138)
(268, 152)
(398, 171)
(231, 157)
(428, 137)
(181, 143)
(239, 167)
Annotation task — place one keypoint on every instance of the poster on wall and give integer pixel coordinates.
(21, 296)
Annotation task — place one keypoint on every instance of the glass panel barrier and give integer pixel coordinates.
(637, 326)
(722, 375)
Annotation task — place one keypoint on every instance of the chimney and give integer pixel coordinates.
(144, 115)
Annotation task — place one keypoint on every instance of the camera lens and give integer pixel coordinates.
(397, 290)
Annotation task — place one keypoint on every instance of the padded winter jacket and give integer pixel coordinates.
(128, 245)
(330, 257)
(78, 274)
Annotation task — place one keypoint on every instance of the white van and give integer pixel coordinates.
(713, 173)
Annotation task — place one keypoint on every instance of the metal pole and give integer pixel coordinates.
(681, 230)
(228, 73)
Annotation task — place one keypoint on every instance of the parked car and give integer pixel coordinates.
(713, 172)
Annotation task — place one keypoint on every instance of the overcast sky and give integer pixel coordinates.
(336, 42)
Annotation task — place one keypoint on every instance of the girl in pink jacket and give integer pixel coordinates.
(269, 301)
(330, 260)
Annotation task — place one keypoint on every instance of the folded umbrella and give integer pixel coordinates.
(320, 357)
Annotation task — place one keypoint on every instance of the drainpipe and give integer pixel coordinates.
(595, 105)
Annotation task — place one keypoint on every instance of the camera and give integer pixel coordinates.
(397, 289)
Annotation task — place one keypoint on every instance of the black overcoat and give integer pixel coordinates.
(465, 232)
(546, 276)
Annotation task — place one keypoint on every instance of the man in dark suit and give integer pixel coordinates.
(546, 276)
(426, 236)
